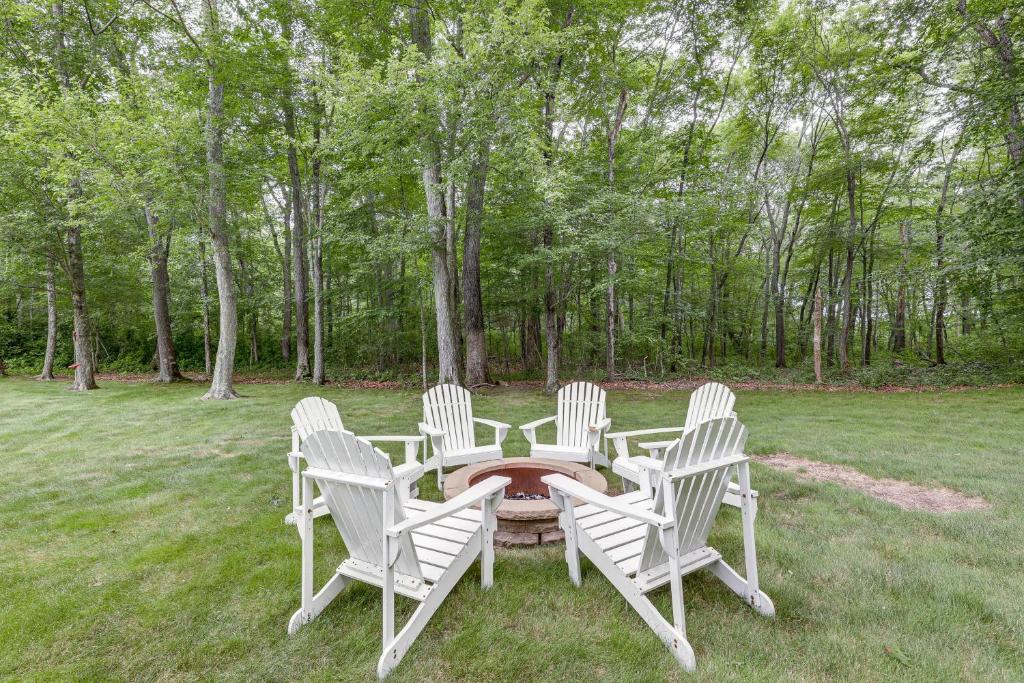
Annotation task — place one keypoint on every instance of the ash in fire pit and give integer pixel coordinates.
(526, 516)
(521, 495)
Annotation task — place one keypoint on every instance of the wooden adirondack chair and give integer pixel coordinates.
(414, 548)
(579, 424)
(709, 401)
(312, 414)
(640, 543)
(448, 421)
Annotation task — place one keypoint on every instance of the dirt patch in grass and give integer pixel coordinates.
(900, 493)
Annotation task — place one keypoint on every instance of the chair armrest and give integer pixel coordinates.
(409, 472)
(644, 432)
(436, 439)
(648, 463)
(529, 429)
(427, 430)
(537, 423)
(727, 461)
(500, 428)
(294, 460)
(412, 444)
(653, 447)
(485, 489)
(619, 438)
(574, 489)
(594, 432)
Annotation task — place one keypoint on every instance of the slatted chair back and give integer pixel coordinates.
(312, 414)
(708, 402)
(698, 496)
(580, 405)
(449, 407)
(357, 506)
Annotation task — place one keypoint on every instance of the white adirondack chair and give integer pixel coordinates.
(640, 543)
(313, 414)
(580, 422)
(709, 401)
(448, 421)
(414, 548)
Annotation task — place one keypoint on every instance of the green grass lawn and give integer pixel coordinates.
(142, 538)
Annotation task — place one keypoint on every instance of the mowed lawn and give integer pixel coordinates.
(142, 538)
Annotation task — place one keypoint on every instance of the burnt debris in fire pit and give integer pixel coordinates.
(520, 495)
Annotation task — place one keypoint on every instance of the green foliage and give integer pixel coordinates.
(741, 124)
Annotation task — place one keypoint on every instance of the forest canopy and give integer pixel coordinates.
(475, 190)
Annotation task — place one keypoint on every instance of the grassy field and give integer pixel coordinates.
(142, 538)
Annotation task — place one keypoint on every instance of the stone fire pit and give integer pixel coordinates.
(532, 520)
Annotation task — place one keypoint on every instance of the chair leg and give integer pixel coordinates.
(487, 542)
(400, 644)
(311, 605)
(628, 486)
(672, 637)
(567, 521)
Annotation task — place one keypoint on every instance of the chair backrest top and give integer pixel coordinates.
(709, 401)
(313, 414)
(449, 407)
(357, 509)
(697, 496)
(580, 405)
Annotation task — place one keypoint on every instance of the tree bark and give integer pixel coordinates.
(74, 261)
(899, 341)
(84, 364)
(298, 240)
(51, 319)
(472, 300)
(319, 372)
(159, 250)
(222, 384)
(285, 255)
(941, 289)
(817, 334)
(448, 367)
(846, 291)
(554, 321)
(204, 293)
(610, 301)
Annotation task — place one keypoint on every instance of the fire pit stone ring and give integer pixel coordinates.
(529, 521)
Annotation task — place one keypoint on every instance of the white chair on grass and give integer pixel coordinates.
(312, 414)
(414, 548)
(580, 421)
(448, 422)
(710, 401)
(640, 542)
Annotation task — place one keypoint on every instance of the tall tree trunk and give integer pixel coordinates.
(204, 292)
(941, 289)
(816, 315)
(899, 340)
(869, 300)
(74, 261)
(448, 362)
(159, 250)
(285, 256)
(610, 301)
(298, 245)
(51, 319)
(472, 301)
(319, 372)
(222, 384)
(84, 362)
(846, 291)
(554, 321)
(250, 315)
